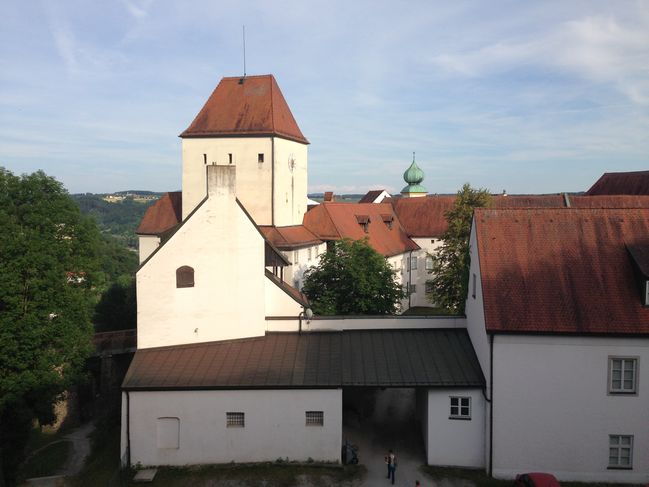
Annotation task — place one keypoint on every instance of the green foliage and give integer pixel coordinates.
(119, 219)
(352, 278)
(48, 266)
(451, 261)
(117, 308)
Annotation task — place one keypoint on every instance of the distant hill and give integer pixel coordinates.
(117, 214)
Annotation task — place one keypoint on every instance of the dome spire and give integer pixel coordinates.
(413, 176)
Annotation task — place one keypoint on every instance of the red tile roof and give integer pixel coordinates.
(334, 221)
(426, 217)
(254, 106)
(288, 238)
(163, 215)
(561, 270)
(635, 182)
(610, 201)
(423, 217)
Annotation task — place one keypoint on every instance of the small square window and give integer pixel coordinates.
(314, 418)
(260, 158)
(620, 451)
(460, 408)
(622, 372)
(235, 420)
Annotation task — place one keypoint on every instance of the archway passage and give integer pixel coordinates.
(379, 419)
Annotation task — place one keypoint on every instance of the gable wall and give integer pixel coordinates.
(553, 412)
(227, 254)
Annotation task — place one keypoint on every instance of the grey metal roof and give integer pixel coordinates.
(381, 358)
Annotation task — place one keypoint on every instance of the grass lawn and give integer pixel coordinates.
(481, 480)
(47, 461)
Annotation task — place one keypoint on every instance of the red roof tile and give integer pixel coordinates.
(163, 215)
(528, 201)
(635, 182)
(334, 221)
(254, 106)
(288, 238)
(561, 270)
(610, 201)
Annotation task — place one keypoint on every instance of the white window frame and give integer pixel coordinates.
(413, 263)
(622, 365)
(314, 418)
(429, 262)
(460, 407)
(616, 447)
(235, 419)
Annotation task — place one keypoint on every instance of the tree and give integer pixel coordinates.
(48, 264)
(451, 261)
(352, 278)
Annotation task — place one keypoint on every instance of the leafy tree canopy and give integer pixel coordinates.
(48, 266)
(451, 261)
(352, 278)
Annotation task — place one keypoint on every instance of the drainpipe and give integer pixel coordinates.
(128, 430)
(491, 404)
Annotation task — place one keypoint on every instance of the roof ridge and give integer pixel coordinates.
(272, 104)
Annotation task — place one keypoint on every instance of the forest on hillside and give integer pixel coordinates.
(118, 219)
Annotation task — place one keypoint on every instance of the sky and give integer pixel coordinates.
(527, 97)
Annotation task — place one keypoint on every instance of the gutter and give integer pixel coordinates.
(491, 404)
(128, 430)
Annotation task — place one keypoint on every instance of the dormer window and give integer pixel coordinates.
(388, 219)
(639, 255)
(185, 276)
(364, 222)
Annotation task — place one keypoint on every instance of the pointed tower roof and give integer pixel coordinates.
(251, 105)
(413, 176)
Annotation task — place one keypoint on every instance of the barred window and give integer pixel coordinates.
(460, 408)
(235, 420)
(314, 418)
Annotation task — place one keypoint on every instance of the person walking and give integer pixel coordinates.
(391, 461)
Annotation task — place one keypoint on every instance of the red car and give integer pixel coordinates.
(536, 480)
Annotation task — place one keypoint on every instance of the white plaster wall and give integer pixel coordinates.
(253, 179)
(301, 260)
(421, 275)
(227, 254)
(328, 323)
(552, 411)
(274, 426)
(290, 186)
(278, 303)
(455, 442)
(147, 244)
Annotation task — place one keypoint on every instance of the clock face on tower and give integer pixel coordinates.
(291, 162)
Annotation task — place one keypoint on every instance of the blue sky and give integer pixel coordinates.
(531, 97)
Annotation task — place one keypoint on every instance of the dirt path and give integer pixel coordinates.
(79, 437)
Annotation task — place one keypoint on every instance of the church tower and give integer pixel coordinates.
(413, 176)
(247, 123)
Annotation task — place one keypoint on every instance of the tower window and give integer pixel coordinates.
(260, 158)
(185, 276)
(230, 157)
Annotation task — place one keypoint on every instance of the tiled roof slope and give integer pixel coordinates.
(610, 201)
(635, 182)
(561, 270)
(371, 195)
(334, 221)
(287, 238)
(288, 289)
(163, 215)
(426, 217)
(254, 106)
(380, 358)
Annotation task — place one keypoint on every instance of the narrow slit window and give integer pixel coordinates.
(230, 158)
(260, 158)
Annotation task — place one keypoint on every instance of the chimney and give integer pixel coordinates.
(221, 181)
(329, 196)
